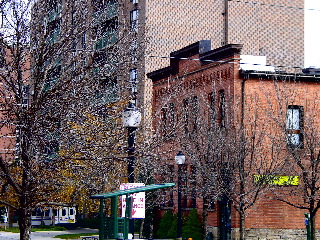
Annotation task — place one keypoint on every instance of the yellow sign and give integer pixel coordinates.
(277, 180)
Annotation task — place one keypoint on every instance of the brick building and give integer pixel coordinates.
(230, 120)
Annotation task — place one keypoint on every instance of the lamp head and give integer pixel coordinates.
(131, 116)
(180, 158)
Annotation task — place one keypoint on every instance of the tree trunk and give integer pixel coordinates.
(10, 220)
(205, 215)
(313, 225)
(242, 224)
(24, 223)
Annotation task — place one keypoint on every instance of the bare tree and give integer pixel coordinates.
(63, 86)
(293, 108)
(224, 136)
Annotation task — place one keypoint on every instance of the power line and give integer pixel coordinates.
(215, 61)
(274, 5)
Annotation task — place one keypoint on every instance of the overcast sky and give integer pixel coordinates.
(312, 33)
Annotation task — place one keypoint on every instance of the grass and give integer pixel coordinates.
(37, 229)
(48, 228)
(11, 229)
(73, 236)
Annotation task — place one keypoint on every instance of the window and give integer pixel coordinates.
(46, 213)
(25, 95)
(212, 108)
(294, 124)
(186, 115)
(222, 108)
(168, 121)
(134, 51)
(106, 33)
(73, 18)
(134, 80)
(83, 41)
(171, 120)
(134, 20)
(71, 211)
(195, 109)
(74, 45)
(164, 119)
(64, 212)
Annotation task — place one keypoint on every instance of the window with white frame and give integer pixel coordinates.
(134, 19)
(134, 80)
(294, 125)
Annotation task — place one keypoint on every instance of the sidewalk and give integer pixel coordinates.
(46, 235)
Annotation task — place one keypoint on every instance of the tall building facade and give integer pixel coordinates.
(270, 28)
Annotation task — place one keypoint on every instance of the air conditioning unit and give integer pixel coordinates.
(135, 1)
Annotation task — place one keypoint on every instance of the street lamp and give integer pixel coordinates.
(131, 118)
(180, 159)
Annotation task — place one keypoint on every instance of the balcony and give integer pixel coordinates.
(109, 38)
(110, 11)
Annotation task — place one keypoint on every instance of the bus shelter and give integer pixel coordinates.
(114, 227)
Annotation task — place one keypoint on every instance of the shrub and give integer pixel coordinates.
(89, 223)
(193, 227)
(165, 225)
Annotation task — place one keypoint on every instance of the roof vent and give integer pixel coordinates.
(255, 63)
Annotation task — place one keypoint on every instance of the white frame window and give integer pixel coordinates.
(134, 80)
(294, 124)
(134, 20)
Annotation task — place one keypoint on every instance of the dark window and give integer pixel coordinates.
(195, 110)
(71, 211)
(171, 120)
(186, 115)
(294, 125)
(74, 45)
(73, 18)
(164, 121)
(222, 108)
(212, 108)
(46, 213)
(64, 212)
(84, 41)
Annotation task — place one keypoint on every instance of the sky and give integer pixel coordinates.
(312, 33)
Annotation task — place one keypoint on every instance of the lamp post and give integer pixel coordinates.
(180, 159)
(131, 118)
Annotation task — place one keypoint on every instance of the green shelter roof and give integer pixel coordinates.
(132, 190)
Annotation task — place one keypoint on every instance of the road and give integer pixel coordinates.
(46, 235)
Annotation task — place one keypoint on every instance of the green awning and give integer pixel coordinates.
(132, 190)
